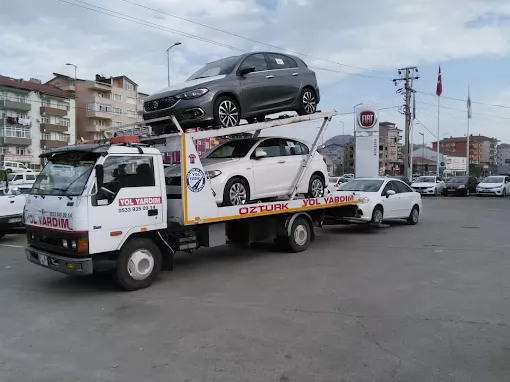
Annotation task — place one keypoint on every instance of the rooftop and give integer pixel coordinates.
(34, 86)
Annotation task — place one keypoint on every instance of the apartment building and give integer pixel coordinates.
(103, 103)
(503, 158)
(390, 148)
(482, 149)
(34, 118)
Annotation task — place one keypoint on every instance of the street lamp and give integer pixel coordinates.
(168, 59)
(423, 149)
(69, 64)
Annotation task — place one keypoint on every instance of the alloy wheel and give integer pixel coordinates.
(317, 188)
(309, 103)
(228, 113)
(237, 194)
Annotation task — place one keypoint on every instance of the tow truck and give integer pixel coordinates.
(116, 213)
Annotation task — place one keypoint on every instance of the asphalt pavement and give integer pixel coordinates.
(403, 303)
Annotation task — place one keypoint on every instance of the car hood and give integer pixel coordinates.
(490, 185)
(423, 184)
(184, 86)
(455, 184)
(207, 163)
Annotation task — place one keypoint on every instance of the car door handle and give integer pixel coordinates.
(281, 161)
(270, 76)
(295, 74)
(12, 201)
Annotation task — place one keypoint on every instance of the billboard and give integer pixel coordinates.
(455, 163)
(366, 162)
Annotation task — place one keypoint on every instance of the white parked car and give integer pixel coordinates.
(385, 198)
(244, 170)
(335, 183)
(494, 185)
(19, 178)
(429, 185)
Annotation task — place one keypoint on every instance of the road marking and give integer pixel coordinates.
(12, 246)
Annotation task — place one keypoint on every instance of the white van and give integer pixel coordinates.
(18, 178)
(14, 167)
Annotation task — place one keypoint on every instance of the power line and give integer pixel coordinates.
(464, 111)
(139, 21)
(425, 127)
(250, 39)
(465, 100)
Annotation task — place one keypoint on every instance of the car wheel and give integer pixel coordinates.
(467, 192)
(503, 194)
(316, 187)
(226, 112)
(307, 102)
(413, 216)
(236, 193)
(377, 216)
(138, 264)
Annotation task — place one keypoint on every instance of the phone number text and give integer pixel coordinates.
(136, 209)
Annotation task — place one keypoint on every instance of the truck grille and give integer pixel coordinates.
(160, 104)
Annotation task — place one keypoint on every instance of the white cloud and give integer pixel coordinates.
(374, 34)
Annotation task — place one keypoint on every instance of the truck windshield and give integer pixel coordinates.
(65, 174)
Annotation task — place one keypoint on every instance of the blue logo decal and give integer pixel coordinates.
(195, 180)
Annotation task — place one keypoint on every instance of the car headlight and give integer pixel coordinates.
(213, 174)
(192, 94)
(462, 186)
(364, 200)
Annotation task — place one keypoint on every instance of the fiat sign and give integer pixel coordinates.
(367, 119)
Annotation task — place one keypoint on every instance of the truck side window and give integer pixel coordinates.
(126, 172)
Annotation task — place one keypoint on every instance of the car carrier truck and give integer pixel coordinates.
(113, 213)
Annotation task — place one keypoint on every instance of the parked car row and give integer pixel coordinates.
(498, 185)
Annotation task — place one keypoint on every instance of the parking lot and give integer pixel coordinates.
(404, 303)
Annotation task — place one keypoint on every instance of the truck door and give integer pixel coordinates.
(129, 201)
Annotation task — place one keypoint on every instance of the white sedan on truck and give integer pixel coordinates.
(385, 198)
(241, 171)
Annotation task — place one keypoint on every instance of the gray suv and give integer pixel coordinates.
(248, 86)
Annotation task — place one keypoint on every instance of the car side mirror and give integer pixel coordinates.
(15, 191)
(99, 175)
(438, 181)
(244, 71)
(389, 193)
(260, 154)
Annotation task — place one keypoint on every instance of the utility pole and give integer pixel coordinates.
(407, 75)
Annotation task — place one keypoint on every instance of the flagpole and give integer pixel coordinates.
(438, 161)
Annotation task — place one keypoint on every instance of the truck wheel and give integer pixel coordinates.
(138, 264)
(300, 235)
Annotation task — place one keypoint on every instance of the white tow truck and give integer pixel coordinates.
(115, 212)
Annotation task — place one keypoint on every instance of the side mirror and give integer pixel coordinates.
(244, 71)
(15, 191)
(389, 193)
(99, 176)
(259, 153)
(438, 180)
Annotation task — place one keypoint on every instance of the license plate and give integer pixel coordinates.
(43, 260)
(14, 220)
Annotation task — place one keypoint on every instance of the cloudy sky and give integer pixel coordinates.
(354, 47)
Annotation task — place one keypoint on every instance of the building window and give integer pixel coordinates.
(45, 136)
(45, 103)
(129, 86)
(131, 100)
(117, 124)
(45, 119)
(99, 122)
(140, 101)
(64, 122)
(21, 150)
(116, 97)
(117, 110)
(131, 113)
(62, 105)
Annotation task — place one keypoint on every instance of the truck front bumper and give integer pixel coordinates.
(67, 265)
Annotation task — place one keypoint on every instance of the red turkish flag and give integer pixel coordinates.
(439, 87)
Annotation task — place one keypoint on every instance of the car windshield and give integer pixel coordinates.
(364, 185)
(426, 179)
(10, 177)
(65, 174)
(215, 68)
(233, 149)
(460, 179)
(493, 179)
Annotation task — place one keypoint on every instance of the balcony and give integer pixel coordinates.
(14, 105)
(52, 144)
(100, 86)
(15, 141)
(46, 110)
(53, 127)
(99, 114)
